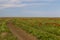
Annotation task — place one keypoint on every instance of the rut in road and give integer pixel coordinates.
(19, 33)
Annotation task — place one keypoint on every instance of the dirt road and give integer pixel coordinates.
(19, 33)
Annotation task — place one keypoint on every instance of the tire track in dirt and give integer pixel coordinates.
(19, 33)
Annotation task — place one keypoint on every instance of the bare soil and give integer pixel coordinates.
(19, 33)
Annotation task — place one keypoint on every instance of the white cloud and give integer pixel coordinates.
(39, 0)
(11, 5)
(14, 1)
(18, 3)
(38, 4)
(9, 0)
(2, 0)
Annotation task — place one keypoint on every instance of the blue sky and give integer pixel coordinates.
(29, 8)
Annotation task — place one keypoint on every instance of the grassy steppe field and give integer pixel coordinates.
(5, 33)
(41, 28)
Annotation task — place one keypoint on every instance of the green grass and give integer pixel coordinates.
(31, 26)
(43, 32)
(5, 33)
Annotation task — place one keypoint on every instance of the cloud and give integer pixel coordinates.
(3, 0)
(19, 3)
(11, 5)
(38, 0)
(14, 1)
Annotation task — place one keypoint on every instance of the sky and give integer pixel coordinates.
(29, 8)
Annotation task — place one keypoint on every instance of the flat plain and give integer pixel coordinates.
(41, 28)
